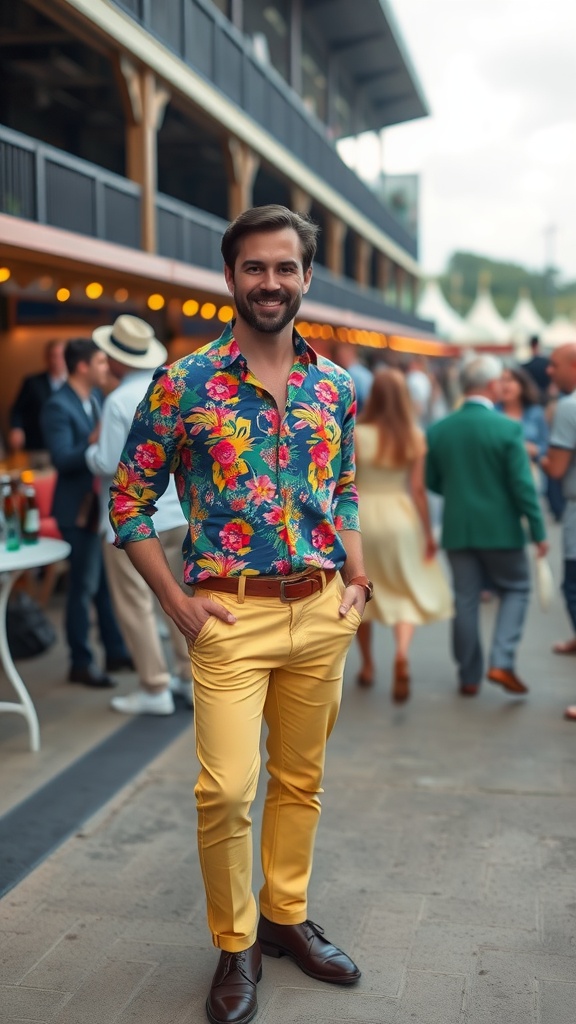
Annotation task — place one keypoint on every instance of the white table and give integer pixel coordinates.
(12, 565)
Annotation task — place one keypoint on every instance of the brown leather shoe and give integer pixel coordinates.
(306, 946)
(508, 679)
(232, 997)
(468, 689)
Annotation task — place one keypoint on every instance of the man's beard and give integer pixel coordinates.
(266, 323)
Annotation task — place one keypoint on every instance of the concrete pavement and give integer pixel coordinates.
(445, 865)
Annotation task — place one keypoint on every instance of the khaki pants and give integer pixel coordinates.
(134, 605)
(281, 662)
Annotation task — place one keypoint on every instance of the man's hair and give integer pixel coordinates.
(79, 350)
(478, 372)
(269, 218)
(534, 342)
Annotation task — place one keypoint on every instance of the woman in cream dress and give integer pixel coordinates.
(410, 588)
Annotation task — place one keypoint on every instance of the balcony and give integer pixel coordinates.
(42, 184)
(203, 38)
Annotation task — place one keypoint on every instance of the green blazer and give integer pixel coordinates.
(477, 460)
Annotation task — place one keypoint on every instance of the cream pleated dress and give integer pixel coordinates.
(406, 587)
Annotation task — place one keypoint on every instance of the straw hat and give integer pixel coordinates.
(131, 341)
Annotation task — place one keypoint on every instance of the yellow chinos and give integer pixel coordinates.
(282, 662)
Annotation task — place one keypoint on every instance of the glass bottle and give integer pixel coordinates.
(30, 516)
(11, 519)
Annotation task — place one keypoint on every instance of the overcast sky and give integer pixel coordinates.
(497, 156)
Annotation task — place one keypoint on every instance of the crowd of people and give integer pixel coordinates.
(270, 529)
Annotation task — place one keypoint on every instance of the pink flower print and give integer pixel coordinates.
(296, 378)
(274, 516)
(222, 387)
(273, 418)
(237, 504)
(323, 537)
(282, 566)
(261, 489)
(149, 455)
(283, 456)
(235, 536)
(326, 392)
(143, 530)
(320, 454)
(224, 453)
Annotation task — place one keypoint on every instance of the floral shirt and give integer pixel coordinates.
(263, 493)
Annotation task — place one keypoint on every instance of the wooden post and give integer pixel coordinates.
(144, 104)
(335, 234)
(300, 201)
(363, 252)
(242, 165)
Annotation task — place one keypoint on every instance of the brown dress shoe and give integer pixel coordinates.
(232, 997)
(306, 946)
(469, 689)
(508, 679)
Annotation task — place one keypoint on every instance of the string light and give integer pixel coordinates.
(63, 294)
(121, 294)
(190, 307)
(94, 290)
(207, 311)
(155, 301)
(5, 274)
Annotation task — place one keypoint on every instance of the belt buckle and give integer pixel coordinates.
(284, 597)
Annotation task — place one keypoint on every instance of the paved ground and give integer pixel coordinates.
(446, 865)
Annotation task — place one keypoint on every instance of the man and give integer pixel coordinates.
(346, 355)
(258, 431)
(25, 427)
(420, 388)
(537, 368)
(478, 462)
(560, 464)
(133, 352)
(69, 420)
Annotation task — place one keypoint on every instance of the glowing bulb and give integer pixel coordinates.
(208, 310)
(63, 294)
(190, 307)
(5, 273)
(225, 313)
(121, 294)
(155, 301)
(94, 290)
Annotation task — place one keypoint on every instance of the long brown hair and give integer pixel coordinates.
(389, 408)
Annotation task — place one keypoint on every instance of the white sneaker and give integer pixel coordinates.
(182, 688)
(141, 702)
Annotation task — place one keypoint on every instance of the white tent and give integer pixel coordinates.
(432, 305)
(560, 332)
(485, 320)
(525, 321)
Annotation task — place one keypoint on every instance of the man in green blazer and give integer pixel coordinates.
(477, 461)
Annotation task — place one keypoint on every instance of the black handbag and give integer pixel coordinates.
(28, 628)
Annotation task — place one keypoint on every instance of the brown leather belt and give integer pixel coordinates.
(287, 588)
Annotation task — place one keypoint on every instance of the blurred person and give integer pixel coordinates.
(537, 368)
(420, 388)
(520, 401)
(399, 548)
(25, 425)
(346, 356)
(133, 353)
(560, 464)
(477, 460)
(554, 492)
(69, 422)
(259, 432)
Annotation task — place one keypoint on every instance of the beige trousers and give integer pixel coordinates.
(281, 663)
(135, 610)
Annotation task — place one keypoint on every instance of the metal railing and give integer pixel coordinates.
(201, 36)
(188, 234)
(41, 183)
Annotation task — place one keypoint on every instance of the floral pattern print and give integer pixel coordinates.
(264, 491)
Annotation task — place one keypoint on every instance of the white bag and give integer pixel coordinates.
(544, 582)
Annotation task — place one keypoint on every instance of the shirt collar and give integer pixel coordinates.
(479, 400)
(227, 351)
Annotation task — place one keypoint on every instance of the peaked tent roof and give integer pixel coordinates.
(485, 319)
(525, 320)
(560, 331)
(432, 305)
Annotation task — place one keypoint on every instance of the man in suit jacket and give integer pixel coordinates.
(69, 423)
(477, 461)
(25, 427)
